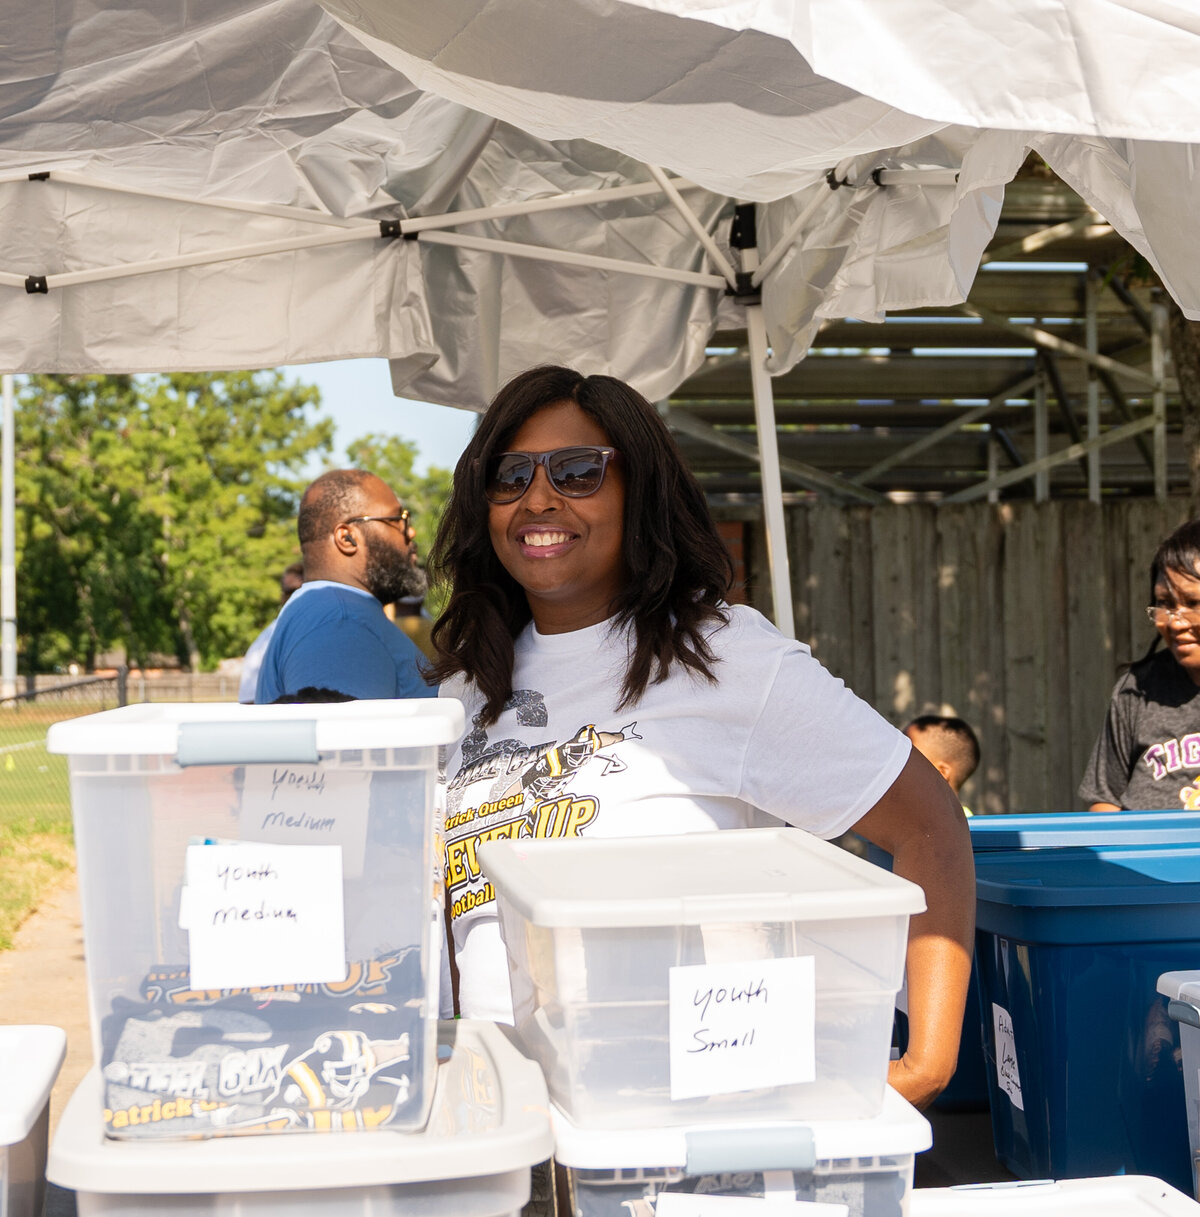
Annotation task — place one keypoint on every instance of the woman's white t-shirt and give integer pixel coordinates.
(776, 737)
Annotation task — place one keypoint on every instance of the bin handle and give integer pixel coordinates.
(710, 1151)
(1184, 1012)
(293, 742)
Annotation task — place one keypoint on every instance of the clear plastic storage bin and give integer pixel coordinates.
(731, 976)
(260, 917)
(1182, 990)
(865, 1165)
(1115, 1196)
(488, 1125)
(30, 1058)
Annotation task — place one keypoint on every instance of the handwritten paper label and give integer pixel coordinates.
(1006, 1056)
(742, 1026)
(308, 805)
(685, 1204)
(261, 915)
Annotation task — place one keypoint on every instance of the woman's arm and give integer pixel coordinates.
(921, 824)
(1104, 807)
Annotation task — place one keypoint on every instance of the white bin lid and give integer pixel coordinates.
(30, 1058)
(1181, 986)
(154, 729)
(756, 874)
(898, 1129)
(489, 1117)
(1116, 1196)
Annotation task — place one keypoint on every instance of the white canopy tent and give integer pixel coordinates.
(471, 187)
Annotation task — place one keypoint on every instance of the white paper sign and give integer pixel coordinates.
(1006, 1056)
(261, 915)
(683, 1204)
(308, 805)
(742, 1026)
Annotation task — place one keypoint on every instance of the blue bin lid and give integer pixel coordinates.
(1093, 828)
(1089, 877)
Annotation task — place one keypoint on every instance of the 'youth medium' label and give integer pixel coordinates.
(742, 1026)
(260, 915)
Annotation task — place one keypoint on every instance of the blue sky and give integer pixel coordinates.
(357, 395)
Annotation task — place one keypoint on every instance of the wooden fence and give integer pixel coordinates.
(1015, 616)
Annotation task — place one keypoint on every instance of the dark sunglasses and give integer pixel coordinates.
(574, 472)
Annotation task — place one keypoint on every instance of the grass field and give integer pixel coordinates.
(36, 849)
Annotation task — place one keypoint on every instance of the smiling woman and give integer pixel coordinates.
(1147, 757)
(612, 692)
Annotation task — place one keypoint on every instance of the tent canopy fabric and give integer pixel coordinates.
(251, 149)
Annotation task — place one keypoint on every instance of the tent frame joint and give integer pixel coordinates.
(36, 285)
(743, 289)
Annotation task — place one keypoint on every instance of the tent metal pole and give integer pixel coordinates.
(1158, 369)
(701, 234)
(8, 548)
(768, 459)
(558, 202)
(795, 230)
(513, 249)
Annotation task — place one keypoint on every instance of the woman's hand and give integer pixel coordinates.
(921, 824)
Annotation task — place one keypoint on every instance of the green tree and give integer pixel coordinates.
(156, 512)
(424, 494)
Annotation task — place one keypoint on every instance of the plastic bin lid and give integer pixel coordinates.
(1181, 986)
(489, 1117)
(1071, 877)
(755, 874)
(1115, 1196)
(1046, 829)
(155, 729)
(30, 1058)
(898, 1129)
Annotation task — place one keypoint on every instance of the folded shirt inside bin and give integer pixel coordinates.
(195, 1063)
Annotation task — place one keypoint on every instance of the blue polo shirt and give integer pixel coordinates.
(331, 636)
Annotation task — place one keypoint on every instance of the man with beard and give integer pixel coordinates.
(359, 554)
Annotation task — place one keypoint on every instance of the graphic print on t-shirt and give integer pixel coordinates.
(512, 789)
(1167, 757)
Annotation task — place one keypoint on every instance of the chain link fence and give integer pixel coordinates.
(35, 797)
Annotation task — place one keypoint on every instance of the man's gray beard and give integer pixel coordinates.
(390, 575)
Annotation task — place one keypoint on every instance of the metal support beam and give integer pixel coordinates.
(1052, 342)
(1122, 407)
(993, 467)
(1071, 453)
(1041, 440)
(1092, 341)
(1046, 236)
(1063, 399)
(947, 429)
(808, 476)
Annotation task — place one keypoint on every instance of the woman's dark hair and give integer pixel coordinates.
(1180, 554)
(677, 569)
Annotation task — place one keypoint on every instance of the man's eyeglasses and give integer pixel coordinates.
(574, 472)
(403, 518)
(1159, 614)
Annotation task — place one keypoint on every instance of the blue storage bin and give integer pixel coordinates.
(1081, 1055)
(968, 1089)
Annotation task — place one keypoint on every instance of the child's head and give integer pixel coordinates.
(948, 743)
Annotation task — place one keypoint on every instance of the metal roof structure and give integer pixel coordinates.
(1051, 351)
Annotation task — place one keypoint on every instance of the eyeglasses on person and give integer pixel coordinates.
(574, 472)
(404, 517)
(1158, 614)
